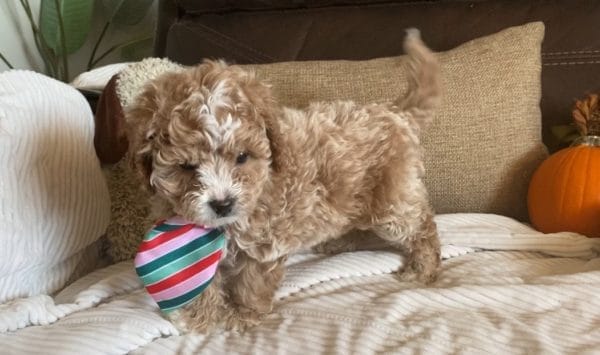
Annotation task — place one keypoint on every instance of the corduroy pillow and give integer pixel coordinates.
(54, 202)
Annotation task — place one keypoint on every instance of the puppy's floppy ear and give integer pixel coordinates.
(275, 141)
(266, 108)
(139, 123)
(140, 160)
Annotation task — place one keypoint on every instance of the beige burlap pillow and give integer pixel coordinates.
(481, 149)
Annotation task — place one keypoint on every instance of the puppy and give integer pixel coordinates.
(213, 146)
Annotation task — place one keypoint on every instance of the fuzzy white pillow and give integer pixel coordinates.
(54, 203)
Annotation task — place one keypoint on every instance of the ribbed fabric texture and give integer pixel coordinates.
(523, 297)
(177, 260)
(53, 198)
(96, 79)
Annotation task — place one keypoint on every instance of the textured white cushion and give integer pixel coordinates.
(96, 79)
(54, 203)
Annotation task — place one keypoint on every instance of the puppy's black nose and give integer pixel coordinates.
(222, 207)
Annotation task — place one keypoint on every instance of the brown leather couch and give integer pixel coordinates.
(263, 31)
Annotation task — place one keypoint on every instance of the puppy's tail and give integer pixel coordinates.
(424, 80)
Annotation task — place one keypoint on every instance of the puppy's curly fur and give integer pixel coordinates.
(213, 146)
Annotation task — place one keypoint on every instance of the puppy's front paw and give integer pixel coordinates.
(193, 319)
(262, 252)
(423, 268)
(242, 318)
(179, 321)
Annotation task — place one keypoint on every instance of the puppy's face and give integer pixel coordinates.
(200, 140)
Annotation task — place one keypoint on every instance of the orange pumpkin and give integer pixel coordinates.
(564, 193)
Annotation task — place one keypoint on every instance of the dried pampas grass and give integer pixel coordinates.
(586, 115)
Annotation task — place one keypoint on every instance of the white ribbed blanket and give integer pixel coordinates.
(505, 289)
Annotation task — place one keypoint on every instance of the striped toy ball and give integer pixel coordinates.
(177, 260)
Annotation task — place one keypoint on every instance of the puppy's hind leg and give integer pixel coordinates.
(417, 237)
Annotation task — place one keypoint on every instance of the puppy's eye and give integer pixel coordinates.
(187, 166)
(241, 158)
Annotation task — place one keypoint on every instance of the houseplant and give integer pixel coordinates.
(63, 26)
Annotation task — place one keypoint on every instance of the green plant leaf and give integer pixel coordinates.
(10, 66)
(562, 131)
(77, 20)
(570, 138)
(126, 12)
(135, 44)
(137, 50)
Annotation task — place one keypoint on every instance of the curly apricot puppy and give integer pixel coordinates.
(214, 147)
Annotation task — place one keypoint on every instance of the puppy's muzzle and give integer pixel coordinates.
(222, 207)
